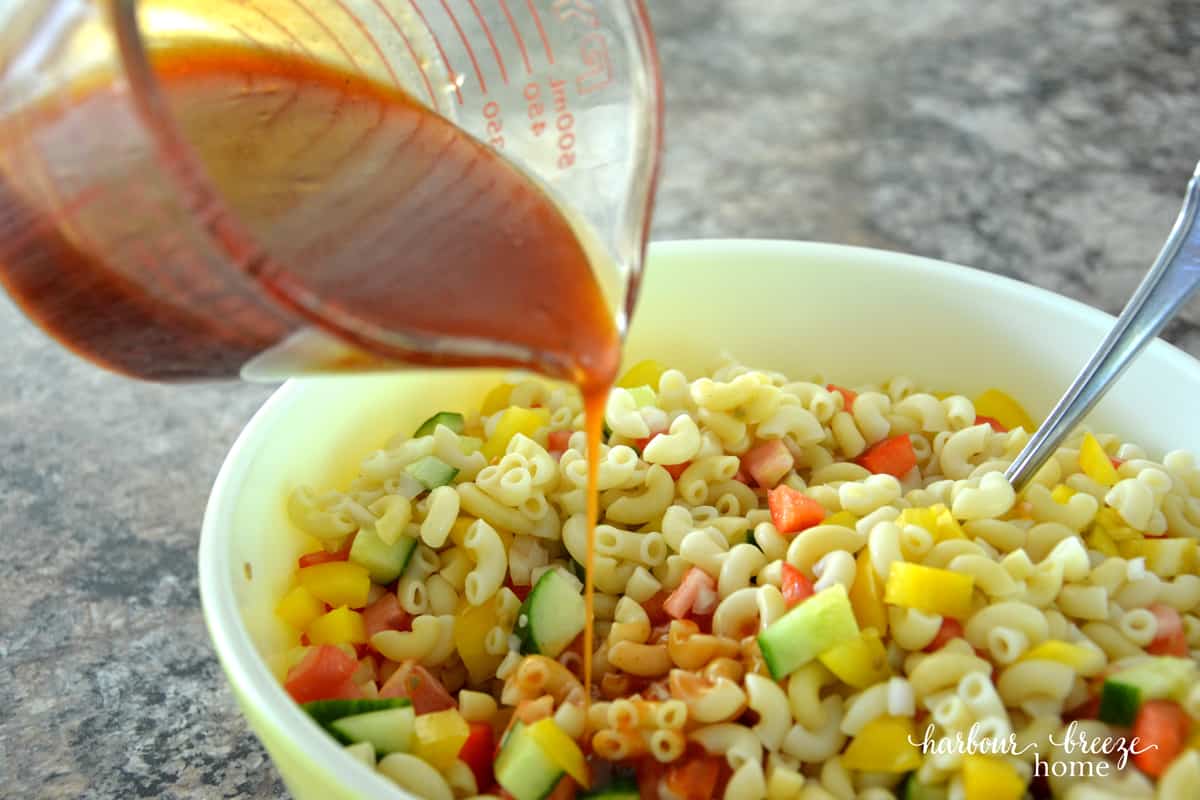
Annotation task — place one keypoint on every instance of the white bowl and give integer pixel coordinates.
(850, 315)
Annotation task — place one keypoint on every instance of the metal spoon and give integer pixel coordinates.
(1169, 284)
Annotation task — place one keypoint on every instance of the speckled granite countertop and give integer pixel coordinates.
(1048, 140)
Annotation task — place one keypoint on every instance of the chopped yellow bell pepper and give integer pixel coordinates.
(921, 517)
(496, 399)
(1062, 494)
(1100, 541)
(439, 736)
(471, 628)
(513, 421)
(843, 518)
(1004, 409)
(929, 589)
(860, 662)
(946, 526)
(936, 519)
(643, 373)
(643, 396)
(338, 583)
(299, 608)
(884, 745)
(1084, 660)
(1112, 523)
(560, 748)
(866, 595)
(340, 626)
(1095, 462)
(1166, 557)
(991, 778)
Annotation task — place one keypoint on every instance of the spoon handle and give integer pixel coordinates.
(1174, 277)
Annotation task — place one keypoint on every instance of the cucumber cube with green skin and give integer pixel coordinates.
(431, 471)
(385, 562)
(523, 769)
(1156, 679)
(389, 731)
(551, 617)
(819, 623)
(450, 419)
(325, 712)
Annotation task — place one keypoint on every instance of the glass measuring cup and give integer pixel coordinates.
(167, 228)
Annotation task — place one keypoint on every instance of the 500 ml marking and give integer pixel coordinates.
(563, 123)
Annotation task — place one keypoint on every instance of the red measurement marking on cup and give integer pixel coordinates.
(517, 34)
(537, 20)
(321, 24)
(594, 52)
(467, 44)
(487, 31)
(412, 53)
(577, 9)
(495, 124)
(441, 51)
(358, 23)
(564, 123)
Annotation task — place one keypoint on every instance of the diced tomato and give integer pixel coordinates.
(321, 675)
(413, 681)
(1169, 639)
(1160, 730)
(1116, 462)
(768, 462)
(793, 511)
(676, 470)
(892, 456)
(848, 396)
(693, 778)
(654, 608)
(477, 753)
(696, 592)
(744, 477)
(324, 556)
(995, 423)
(796, 586)
(385, 614)
(520, 591)
(558, 441)
(951, 629)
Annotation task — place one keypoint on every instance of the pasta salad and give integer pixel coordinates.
(801, 591)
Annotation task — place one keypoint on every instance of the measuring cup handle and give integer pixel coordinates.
(1174, 277)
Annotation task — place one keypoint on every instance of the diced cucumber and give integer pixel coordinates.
(620, 787)
(915, 790)
(384, 561)
(431, 471)
(524, 769)
(451, 419)
(326, 711)
(1158, 678)
(362, 751)
(389, 731)
(822, 621)
(551, 617)
(469, 444)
